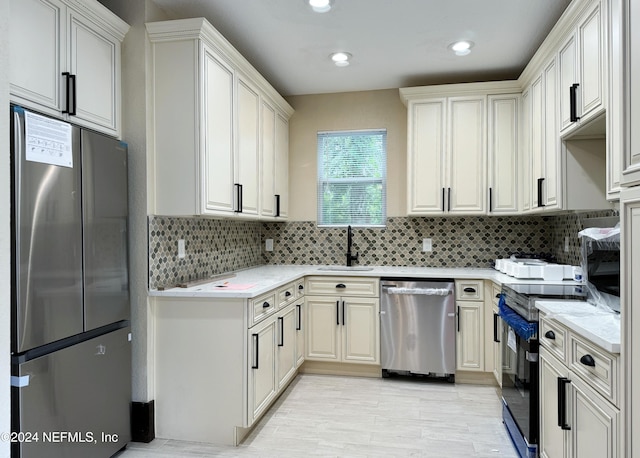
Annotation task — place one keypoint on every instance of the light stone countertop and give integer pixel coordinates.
(266, 278)
(595, 324)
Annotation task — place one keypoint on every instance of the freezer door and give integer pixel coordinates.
(105, 211)
(47, 248)
(77, 399)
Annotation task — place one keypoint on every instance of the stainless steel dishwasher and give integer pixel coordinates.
(417, 327)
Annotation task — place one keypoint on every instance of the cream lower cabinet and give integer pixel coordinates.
(343, 329)
(262, 384)
(470, 343)
(579, 416)
(494, 328)
(300, 332)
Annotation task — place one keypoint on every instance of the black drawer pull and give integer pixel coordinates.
(550, 335)
(469, 290)
(287, 294)
(588, 360)
(300, 287)
(341, 285)
(265, 305)
(498, 296)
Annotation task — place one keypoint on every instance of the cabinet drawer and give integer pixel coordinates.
(554, 337)
(598, 367)
(469, 290)
(286, 293)
(341, 286)
(261, 307)
(299, 288)
(495, 293)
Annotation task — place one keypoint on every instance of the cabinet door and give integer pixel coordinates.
(268, 158)
(425, 161)
(361, 330)
(631, 156)
(286, 345)
(551, 183)
(592, 62)
(282, 167)
(470, 336)
(36, 56)
(568, 77)
(248, 148)
(630, 330)
(595, 429)
(503, 152)
(262, 367)
(497, 345)
(323, 328)
(301, 325)
(218, 135)
(524, 162)
(537, 143)
(94, 59)
(554, 441)
(466, 167)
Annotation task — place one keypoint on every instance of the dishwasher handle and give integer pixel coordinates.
(418, 291)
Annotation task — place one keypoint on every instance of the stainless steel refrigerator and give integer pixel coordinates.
(70, 332)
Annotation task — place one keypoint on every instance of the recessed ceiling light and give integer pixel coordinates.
(341, 59)
(320, 6)
(461, 48)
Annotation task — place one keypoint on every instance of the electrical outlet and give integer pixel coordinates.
(426, 244)
(268, 244)
(566, 244)
(181, 252)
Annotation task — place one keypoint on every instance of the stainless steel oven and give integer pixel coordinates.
(520, 393)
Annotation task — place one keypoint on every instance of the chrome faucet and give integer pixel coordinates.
(350, 257)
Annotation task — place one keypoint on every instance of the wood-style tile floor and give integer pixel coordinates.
(361, 417)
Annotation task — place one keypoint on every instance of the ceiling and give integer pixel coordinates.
(394, 43)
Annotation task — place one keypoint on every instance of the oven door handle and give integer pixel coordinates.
(562, 402)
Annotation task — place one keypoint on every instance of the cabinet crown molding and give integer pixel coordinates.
(201, 29)
(408, 94)
(101, 15)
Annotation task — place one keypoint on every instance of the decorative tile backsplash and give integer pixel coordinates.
(456, 241)
(211, 246)
(218, 246)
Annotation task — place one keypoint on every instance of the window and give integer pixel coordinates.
(352, 178)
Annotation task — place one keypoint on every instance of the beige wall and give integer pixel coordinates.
(344, 111)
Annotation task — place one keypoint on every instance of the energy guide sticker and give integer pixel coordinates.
(47, 140)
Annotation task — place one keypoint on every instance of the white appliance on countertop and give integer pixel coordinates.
(534, 268)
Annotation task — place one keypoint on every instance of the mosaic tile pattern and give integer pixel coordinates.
(457, 241)
(212, 247)
(568, 226)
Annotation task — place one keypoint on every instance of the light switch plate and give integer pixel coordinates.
(426, 244)
(181, 251)
(268, 244)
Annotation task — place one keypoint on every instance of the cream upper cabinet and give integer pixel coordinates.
(282, 167)
(503, 128)
(583, 71)
(631, 44)
(524, 158)
(65, 61)
(215, 126)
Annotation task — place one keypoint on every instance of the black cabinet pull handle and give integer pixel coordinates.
(443, 207)
(498, 296)
(540, 184)
(550, 335)
(281, 320)
(458, 315)
(238, 198)
(495, 327)
(338, 313)
(265, 305)
(448, 199)
(469, 290)
(67, 102)
(573, 103)
(256, 340)
(287, 293)
(588, 360)
(299, 327)
(343, 307)
(490, 200)
(562, 402)
(300, 287)
(341, 285)
(277, 204)
(72, 112)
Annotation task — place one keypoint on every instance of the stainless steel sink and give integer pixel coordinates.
(345, 268)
